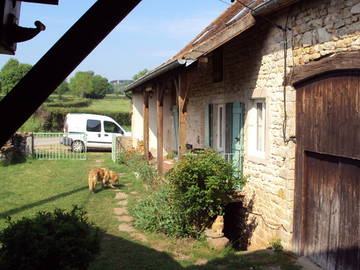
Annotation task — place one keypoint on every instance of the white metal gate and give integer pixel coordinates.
(55, 146)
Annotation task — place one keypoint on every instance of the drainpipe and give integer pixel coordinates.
(272, 5)
(53, 68)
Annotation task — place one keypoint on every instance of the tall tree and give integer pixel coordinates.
(62, 89)
(11, 73)
(81, 83)
(88, 85)
(140, 74)
(101, 86)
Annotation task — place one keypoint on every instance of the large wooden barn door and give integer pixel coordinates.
(327, 200)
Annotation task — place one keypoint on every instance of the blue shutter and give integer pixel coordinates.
(208, 125)
(237, 136)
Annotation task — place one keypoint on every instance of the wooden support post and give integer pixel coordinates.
(146, 124)
(183, 89)
(160, 129)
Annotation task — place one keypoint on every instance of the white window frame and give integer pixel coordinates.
(256, 147)
(221, 122)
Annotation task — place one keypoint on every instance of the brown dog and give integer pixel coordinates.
(113, 178)
(102, 175)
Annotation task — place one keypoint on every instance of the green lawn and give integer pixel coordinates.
(111, 104)
(44, 185)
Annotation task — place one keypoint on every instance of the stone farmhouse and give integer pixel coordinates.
(275, 88)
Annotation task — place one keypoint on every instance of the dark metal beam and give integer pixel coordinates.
(59, 62)
(51, 2)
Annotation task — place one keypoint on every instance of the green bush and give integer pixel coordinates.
(50, 240)
(56, 116)
(71, 103)
(158, 213)
(276, 245)
(199, 187)
(203, 184)
(33, 124)
(137, 163)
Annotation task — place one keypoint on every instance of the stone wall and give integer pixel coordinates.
(17, 148)
(254, 68)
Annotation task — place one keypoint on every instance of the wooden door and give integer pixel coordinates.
(327, 189)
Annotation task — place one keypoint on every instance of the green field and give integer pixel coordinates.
(45, 185)
(110, 105)
(111, 102)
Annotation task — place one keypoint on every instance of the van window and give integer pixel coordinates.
(111, 127)
(93, 125)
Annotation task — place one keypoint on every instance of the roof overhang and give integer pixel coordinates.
(272, 6)
(159, 71)
(202, 49)
(222, 37)
(216, 41)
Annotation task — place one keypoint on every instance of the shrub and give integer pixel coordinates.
(158, 213)
(50, 240)
(171, 155)
(202, 184)
(33, 124)
(137, 162)
(276, 245)
(199, 188)
(69, 104)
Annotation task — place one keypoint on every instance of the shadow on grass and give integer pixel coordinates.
(119, 253)
(118, 187)
(35, 204)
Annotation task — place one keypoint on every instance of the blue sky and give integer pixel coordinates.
(152, 33)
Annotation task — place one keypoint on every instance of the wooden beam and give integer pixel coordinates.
(183, 89)
(146, 124)
(222, 37)
(335, 62)
(160, 129)
(50, 2)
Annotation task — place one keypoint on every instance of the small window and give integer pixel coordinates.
(257, 128)
(218, 63)
(93, 126)
(260, 127)
(111, 127)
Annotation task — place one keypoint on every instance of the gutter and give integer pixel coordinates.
(159, 71)
(271, 6)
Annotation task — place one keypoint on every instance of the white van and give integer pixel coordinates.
(98, 130)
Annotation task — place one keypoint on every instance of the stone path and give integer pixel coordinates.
(122, 215)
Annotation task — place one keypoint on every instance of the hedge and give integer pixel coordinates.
(54, 120)
(68, 104)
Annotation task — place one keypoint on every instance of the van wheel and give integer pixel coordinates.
(78, 146)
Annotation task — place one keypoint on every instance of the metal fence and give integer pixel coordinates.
(55, 146)
(120, 144)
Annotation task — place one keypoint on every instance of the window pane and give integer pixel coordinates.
(220, 127)
(260, 127)
(111, 127)
(93, 125)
